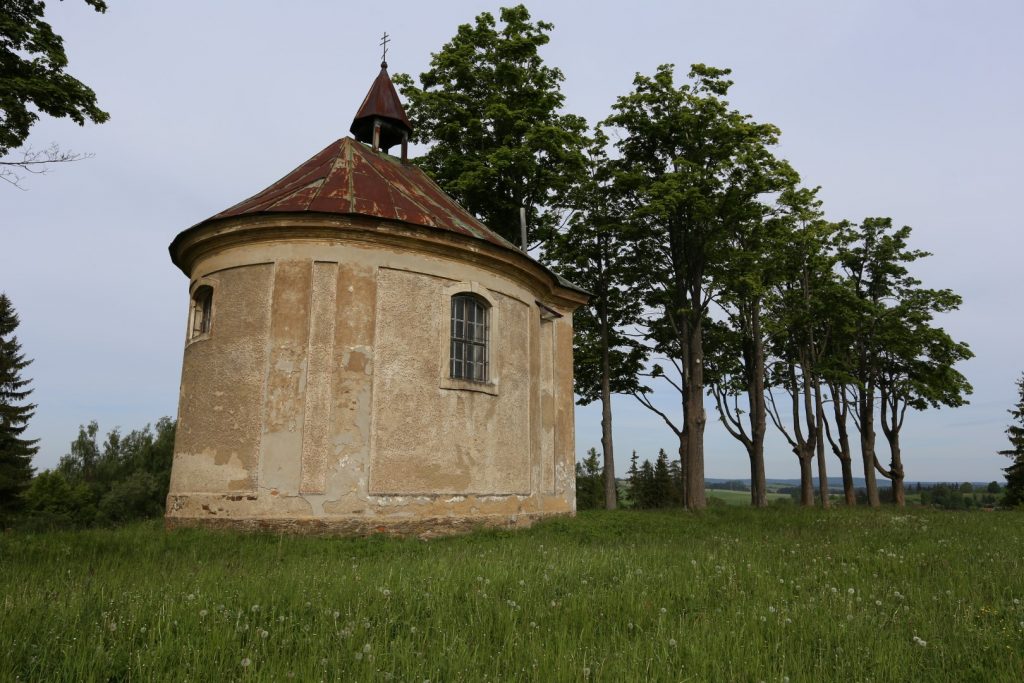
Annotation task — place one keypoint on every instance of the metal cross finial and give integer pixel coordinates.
(384, 43)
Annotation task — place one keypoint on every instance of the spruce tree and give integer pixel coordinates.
(633, 481)
(1013, 495)
(15, 452)
(662, 494)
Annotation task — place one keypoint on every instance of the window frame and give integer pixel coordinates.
(475, 292)
(469, 336)
(200, 311)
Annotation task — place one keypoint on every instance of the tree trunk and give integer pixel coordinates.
(849, 490)
(891, 427)
(867, 443)
(758, 418)
(610, 492)
(841, 409)
(695, 417)
(806, 478)
(684, 469)
(819, 414)
(758, 485)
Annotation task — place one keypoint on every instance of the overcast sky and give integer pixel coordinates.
(905, 109)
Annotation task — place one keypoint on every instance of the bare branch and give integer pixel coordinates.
(36, 162)
(646, 403)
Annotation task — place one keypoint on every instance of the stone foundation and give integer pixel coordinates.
(429, 527)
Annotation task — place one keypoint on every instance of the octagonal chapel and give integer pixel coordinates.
(362, 354)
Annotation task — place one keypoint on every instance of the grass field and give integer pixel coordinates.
(728, 595)
(743, 497)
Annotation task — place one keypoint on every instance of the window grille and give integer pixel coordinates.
(202, 307)
(470, 338)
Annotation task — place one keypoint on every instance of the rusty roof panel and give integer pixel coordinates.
(347, 177)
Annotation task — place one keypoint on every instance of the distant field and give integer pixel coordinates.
(742, 497)
(732, 594)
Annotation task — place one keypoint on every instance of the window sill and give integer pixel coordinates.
(469, 385)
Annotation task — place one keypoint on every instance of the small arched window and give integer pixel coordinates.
(202, 308)
(470, 338)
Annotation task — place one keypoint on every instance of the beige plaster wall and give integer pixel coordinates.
(220, 402)
(320, 400)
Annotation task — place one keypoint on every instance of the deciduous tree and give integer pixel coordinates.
(590, 252)
(691, 172)
(490, 109)
(33, 80)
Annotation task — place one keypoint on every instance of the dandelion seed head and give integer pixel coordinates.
(246, 662)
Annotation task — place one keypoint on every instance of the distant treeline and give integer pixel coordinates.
(659, 485)
(124, 478)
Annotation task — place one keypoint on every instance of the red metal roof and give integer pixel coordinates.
(348, 177)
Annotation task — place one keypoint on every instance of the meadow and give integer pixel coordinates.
(731, 594)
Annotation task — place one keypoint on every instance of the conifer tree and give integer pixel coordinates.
(646, 497)
(15, 452)
(662, 485)
(633, 481)
(1013, 495)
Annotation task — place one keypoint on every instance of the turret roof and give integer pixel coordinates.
(348, 177)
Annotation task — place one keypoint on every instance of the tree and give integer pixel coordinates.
(15, 451)
(490, 110)
(32, 80)
(1013, 493)
(589, 486)
(590, 253)
(916, 370)
(873, 257)
(661, 493)
(690, 174)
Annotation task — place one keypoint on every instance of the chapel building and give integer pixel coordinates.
(362, 355)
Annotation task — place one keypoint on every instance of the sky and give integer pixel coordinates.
(904, 109)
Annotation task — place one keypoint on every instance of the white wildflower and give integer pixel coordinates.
(918, 641)
(246, 662)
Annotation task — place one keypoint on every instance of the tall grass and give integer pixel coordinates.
(731, 594)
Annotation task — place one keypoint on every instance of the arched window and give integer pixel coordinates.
(202, 307)
(470, 338)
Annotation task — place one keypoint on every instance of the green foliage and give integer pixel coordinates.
(33, 77)
(15, 452)
(590, 252)
(690, 177)
(489, 108)
(654, 486)
(126, 478)
(1014, 493)
(590, 482)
